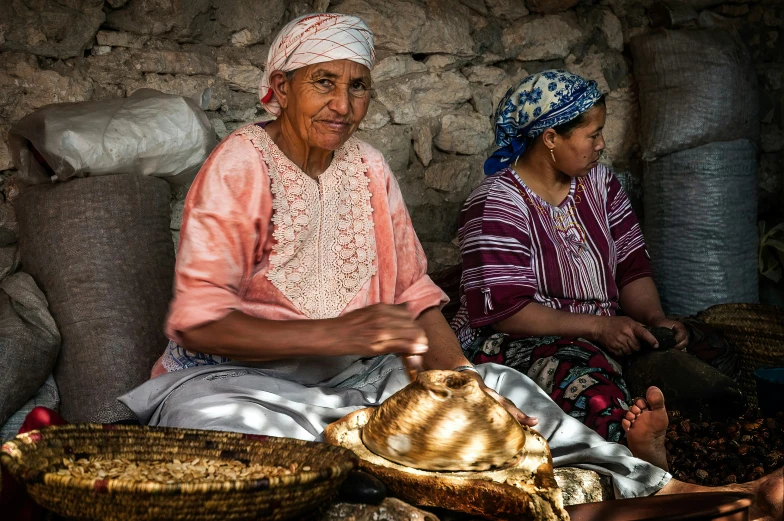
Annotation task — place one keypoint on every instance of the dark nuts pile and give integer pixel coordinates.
(722, 453)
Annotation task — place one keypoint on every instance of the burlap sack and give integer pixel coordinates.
(696, 86)
(101, 250)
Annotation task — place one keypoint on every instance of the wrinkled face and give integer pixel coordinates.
(327, 101)
(579, 152)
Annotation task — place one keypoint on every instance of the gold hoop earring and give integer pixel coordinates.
(552, 154)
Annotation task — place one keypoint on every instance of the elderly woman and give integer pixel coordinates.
(300, 283)
(552, 252)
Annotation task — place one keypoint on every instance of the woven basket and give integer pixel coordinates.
(757, 332)
(33, 459)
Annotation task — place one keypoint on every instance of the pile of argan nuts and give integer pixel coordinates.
(722, 453)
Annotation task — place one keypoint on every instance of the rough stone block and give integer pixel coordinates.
(416, 96)
(394, 141)
(550, 6)
(547, 37)
(407, 27)
(46, 28)
(464, 133)
(244, 77)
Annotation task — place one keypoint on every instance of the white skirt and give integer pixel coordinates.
(258, 400)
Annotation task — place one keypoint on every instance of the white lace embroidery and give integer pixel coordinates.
(325, 245)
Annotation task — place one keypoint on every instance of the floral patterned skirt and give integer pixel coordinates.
(577, 374)
(583, 379)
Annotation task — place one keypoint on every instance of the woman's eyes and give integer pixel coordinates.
(357, 88)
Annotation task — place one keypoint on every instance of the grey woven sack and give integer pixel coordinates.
(101, 250)
(700, 226)
(696, 86)
(29, 342)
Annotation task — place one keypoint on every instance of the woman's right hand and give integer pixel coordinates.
(376, 330)
(621, 335)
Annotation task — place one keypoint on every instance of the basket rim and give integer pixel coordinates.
(339, 462)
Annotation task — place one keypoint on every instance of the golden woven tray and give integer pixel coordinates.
(35, 457)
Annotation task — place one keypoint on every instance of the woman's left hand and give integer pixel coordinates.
(681, 335)
(511, 408)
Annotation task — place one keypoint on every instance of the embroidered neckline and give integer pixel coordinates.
(325, 245)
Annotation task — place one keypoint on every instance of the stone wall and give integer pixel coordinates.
(442, 67)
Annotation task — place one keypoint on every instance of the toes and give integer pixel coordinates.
(655, 398)
(635, 410)
(641, 404)
(630, 417)
(626, 424)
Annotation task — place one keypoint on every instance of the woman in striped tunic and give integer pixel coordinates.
(552, 251)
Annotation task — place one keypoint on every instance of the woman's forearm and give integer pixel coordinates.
(241, 337)
(538, 320)
(639, 300)
(444, 350)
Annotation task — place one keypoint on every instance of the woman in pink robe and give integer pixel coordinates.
(300, 283)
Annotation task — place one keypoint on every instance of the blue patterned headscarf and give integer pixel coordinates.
(541, 101)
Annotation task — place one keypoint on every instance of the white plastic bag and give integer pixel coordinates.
(148, 133)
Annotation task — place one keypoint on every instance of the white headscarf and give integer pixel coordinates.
(316, 38)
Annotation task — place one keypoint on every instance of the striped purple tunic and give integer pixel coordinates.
(518, 248)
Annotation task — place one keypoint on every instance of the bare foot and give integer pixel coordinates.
(646, 426)
(768, 494)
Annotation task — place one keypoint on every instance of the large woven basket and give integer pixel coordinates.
(757, 331)
(34, 458)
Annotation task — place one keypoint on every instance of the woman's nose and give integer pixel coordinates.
(340, 102)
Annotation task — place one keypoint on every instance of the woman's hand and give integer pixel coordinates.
(519, 415)
(376, 330)
(621, 335)
(681, 334)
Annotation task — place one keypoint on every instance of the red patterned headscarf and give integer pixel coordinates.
(316, 38)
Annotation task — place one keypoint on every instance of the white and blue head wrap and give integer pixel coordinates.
(541, 101)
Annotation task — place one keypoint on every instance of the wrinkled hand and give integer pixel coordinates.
(519, 415)
(681, 334)
(376, 330)
(621, 335)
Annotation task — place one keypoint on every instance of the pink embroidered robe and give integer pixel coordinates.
(261, 237)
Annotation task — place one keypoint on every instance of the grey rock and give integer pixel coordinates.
(45, 28)
(464, 133)
(395, 66)
(476, 5)
(422, 136)
(121, 39)
(449, 176)
(484, 74)
(24, 87)
(212, 22)
(507, 9)
(542, 37)
(482, 100)
(435, 222)
(100, 50)
(550, 6)
(114, 68)
(417, 96)
(620, 129)
(172, 62)
(242, 76)
(412, 27)
(377, 116)
(391, 509)
(441, 62)
(583, 486)
(117, 3)
(440, 255)
(612, 30)
(393, 141)
(209, 91)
